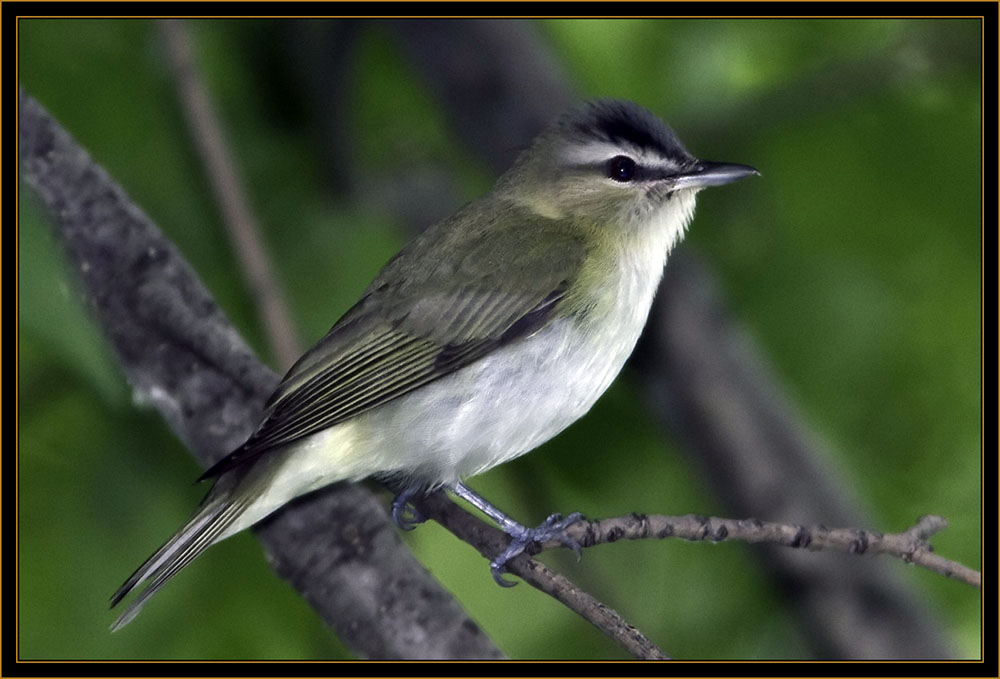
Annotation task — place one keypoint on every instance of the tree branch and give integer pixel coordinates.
(705, 380)
(238, 217)
(911, 545)
(337, 547)
(490, 542)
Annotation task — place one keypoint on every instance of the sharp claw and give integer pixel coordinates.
(404, 523)
(404, 514)
(567, 541)
(497, 566)
(497, 570)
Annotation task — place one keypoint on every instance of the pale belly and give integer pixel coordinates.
(487, 413)
(490, 412)
(493, 410)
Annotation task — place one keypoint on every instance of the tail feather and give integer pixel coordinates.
(197, 535)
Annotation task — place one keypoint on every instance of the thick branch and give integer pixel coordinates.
(180, 353)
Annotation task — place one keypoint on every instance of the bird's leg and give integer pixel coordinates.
(521, 537)
(404, 514)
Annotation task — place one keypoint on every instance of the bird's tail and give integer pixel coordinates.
(208, 525)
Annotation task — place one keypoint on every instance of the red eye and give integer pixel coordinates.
(621, 169)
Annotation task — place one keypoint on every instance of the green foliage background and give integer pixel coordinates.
(855, 262)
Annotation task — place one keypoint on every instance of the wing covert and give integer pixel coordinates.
(408, 331)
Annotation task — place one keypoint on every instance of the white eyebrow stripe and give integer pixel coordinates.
(598, 152)
(594, 153)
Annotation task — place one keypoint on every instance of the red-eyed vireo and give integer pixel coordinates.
(483, 338)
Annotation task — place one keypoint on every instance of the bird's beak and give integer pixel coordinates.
(707, 173)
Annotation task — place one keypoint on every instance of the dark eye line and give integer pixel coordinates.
(642, 173)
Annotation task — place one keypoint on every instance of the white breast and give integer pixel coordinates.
(515, 399)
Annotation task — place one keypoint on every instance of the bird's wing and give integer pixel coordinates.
(426, 315)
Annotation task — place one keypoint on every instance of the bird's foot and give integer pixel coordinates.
(521, 537)
(405, 514)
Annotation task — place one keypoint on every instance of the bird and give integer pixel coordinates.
(484, 337)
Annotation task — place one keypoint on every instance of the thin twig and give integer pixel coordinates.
(609, 621)
(705, 380)
(911, 545)
(490, 541)
(229, 194)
